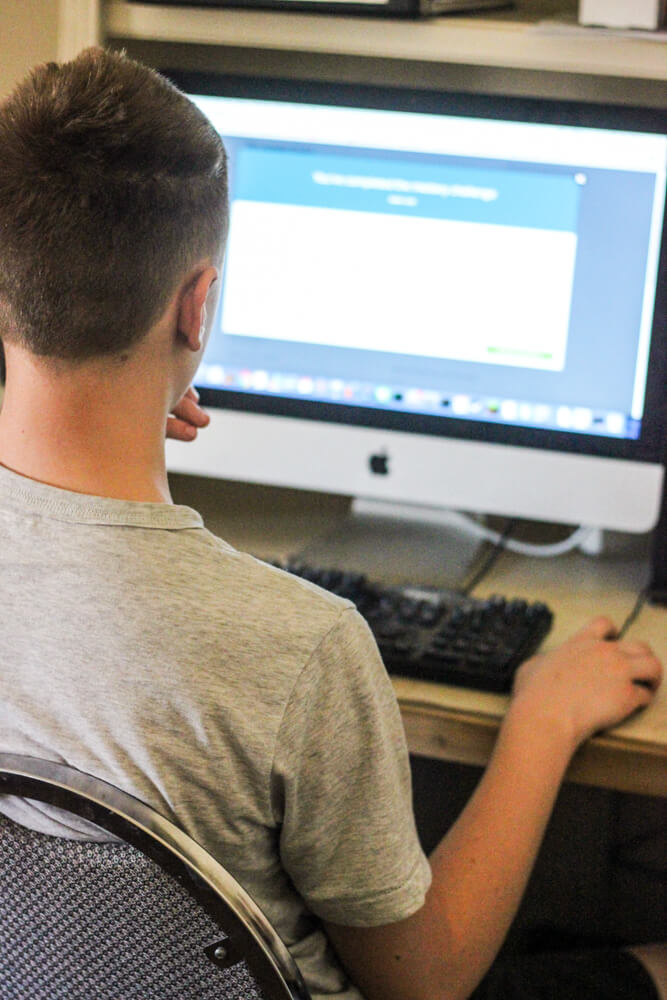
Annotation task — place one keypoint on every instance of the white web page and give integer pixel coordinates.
(430, 287)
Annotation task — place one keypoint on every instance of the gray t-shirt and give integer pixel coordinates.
(246, 705)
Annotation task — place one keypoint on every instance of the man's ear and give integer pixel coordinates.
(192, 305)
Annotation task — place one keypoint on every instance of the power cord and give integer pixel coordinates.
(468, 524)
(634, 614)
(490, 560)
(577, 538)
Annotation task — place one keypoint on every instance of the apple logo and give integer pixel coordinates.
(379, 463)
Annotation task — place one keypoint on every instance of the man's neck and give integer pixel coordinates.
(100, 433)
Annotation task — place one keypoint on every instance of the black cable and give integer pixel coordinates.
(490, 559)
(639, 604)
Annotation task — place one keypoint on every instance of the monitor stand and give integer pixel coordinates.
(398, 544)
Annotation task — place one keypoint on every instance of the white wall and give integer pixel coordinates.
(29, 35)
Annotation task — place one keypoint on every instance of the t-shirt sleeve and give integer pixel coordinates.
(342, 788)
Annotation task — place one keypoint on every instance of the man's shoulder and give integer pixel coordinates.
(261, 586)
(263, 622)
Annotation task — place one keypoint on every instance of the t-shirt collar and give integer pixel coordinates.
(30, 495)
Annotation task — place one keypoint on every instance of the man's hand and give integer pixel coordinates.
(591, 682)
(187, 417)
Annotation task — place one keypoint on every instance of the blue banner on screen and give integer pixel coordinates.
(511, 197)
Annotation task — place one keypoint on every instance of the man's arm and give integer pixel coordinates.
(481, 867)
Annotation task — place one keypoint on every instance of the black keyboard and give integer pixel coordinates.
(440, 635)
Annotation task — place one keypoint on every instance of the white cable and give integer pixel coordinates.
(446, 517)
(578, 536)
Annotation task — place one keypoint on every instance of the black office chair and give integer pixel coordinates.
(151, 916)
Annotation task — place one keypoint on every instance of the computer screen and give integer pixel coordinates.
(439, 299)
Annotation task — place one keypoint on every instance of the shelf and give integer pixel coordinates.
(465, 40)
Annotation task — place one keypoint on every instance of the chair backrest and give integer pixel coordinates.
(150, 915)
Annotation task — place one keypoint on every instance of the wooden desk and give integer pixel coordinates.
(454, 723)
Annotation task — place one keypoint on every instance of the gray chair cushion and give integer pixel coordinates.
(90, 921)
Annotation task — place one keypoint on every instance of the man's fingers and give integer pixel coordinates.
(642, 694)
(188, 410)
(180, 430)
(186, 417)
(642, 666)
(646, 670)
(599, 628)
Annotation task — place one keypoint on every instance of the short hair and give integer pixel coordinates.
(112, 186)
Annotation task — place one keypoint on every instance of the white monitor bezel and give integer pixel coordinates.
(565, 477)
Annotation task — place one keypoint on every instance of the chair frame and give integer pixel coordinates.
(249, 935)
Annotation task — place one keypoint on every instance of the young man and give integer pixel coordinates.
(246, 705)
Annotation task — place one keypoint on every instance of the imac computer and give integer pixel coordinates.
(439, 300)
